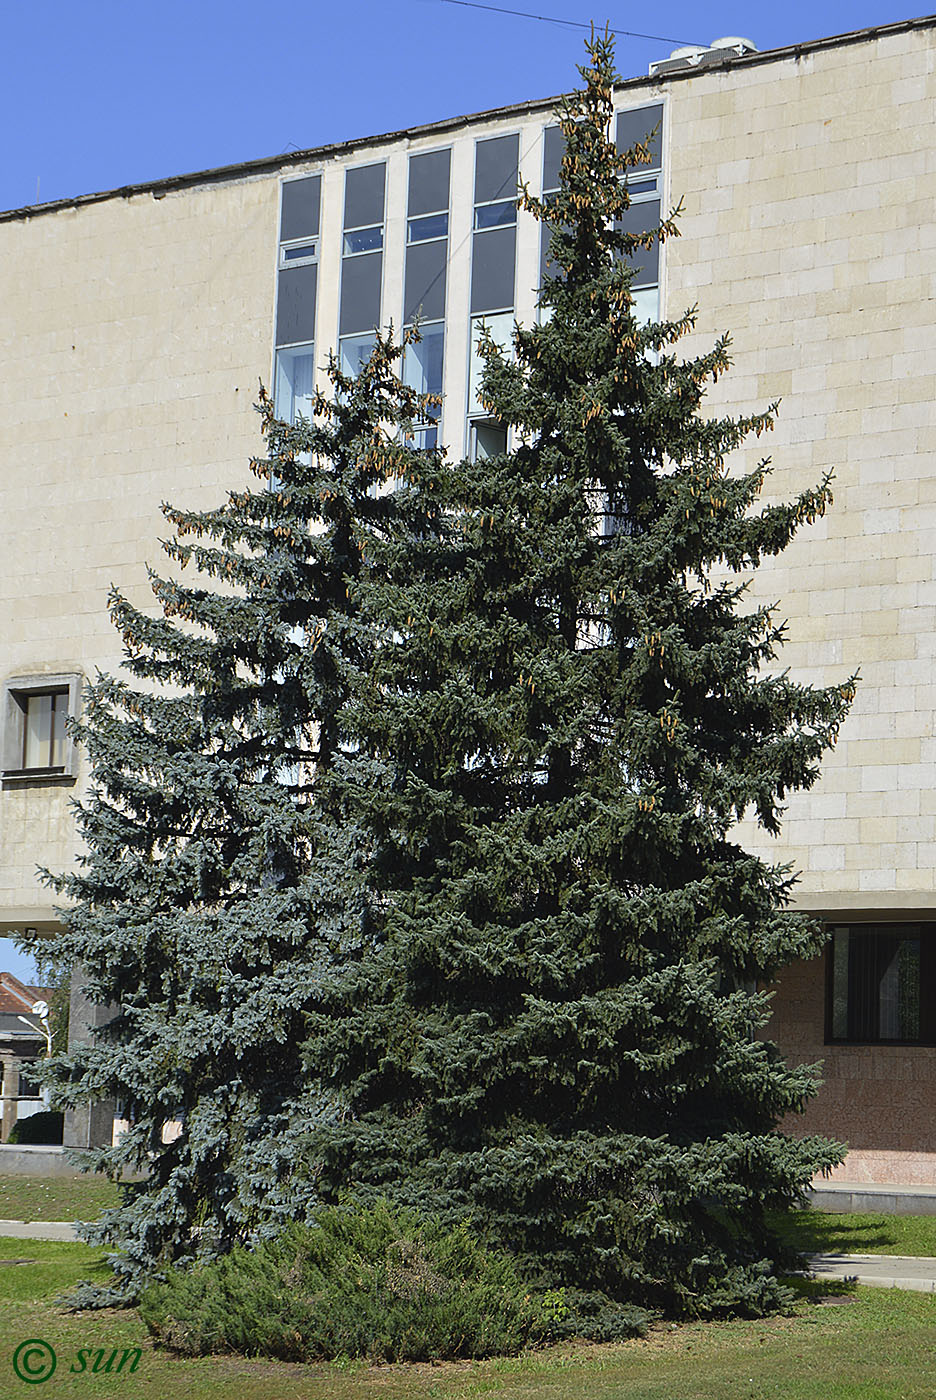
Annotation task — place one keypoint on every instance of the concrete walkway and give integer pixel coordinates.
(878, 1270)
(37, 1230)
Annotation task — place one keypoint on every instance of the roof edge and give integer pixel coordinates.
(268, 164)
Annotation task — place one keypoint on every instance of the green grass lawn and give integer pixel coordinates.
(55, 1198)
(866, 1344)
(820, 1232)
(812, 1231)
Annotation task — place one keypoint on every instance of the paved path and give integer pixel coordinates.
(38, 1229)
(879, 1270)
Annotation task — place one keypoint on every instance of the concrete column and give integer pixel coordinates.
(91, 1125)
(10, 1096)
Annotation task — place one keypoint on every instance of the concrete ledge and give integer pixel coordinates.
(36, 1161)
(873, 1198)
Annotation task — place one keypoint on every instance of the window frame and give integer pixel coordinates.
(477, 426)
(17, 691)
(348, 233)
(296, 245)
(425, 218)
(25, 1079)
(922, 929)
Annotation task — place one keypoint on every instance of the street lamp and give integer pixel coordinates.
(41, 1010)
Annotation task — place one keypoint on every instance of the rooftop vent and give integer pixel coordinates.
(696, 56)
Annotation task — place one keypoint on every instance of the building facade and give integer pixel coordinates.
(135, 325)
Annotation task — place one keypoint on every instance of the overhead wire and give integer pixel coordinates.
(568, 23)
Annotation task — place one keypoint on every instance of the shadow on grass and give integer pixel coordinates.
(823, 1292)
(820, 1232)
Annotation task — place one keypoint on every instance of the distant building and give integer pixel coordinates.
(22, 1043)
(134, 326)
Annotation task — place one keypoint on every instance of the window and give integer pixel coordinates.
(362, 251)
(422, 371)
(488, 439)
(881, 983)
(35, 744)
(643, 125)
(28, 1088)
(297, 285)
(424, 286)
(363, 240)
(615, 518)
(422, 361)
(494, 241)
(553, 152)
(295, 384)
(422, 439)
(424, 230)
(295, 254)
(354, 352)
(501, 329)
(498, 215)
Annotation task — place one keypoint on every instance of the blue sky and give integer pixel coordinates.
(12, 960)
(109, 93)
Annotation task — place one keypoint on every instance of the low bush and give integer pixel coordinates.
(38, 1130)
(376, 1283)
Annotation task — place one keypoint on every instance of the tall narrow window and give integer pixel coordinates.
(427, 227)
(553, 151)
(297, 285)
(361, 264)
(493, 272)
(643, 126)
(494, 242)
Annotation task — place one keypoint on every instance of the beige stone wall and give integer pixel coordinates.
(809, 187)
(132, 336)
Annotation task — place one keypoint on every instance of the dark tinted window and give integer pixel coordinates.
(881, 983)
(300, 208)
(295, 304)
(425, 281)
(638, 219)
(360, 293)
(553, 151)
(634, 127)
(429, 182)
(364, 196)
(492, 269)
(496, 168)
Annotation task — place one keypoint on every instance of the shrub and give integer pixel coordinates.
(375, 1283)
(38, 1130)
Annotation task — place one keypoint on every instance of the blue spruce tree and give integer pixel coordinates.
(221, 874)
(554, 1032)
